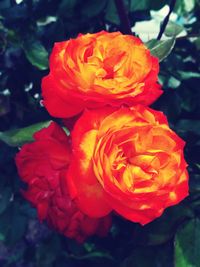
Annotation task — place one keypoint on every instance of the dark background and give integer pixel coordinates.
(27, 33)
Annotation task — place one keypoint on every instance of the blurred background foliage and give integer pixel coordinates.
(28, 30)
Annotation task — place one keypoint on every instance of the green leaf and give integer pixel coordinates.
(139, 5)
(173, 82)
(162, 230)
(189, 5)
(13, 38)
(173, 29)
(197, 43)
(161, 49)
(187, 244)
(182, 7)
(36, 54)
(2, 237)
(20, 136)
(184, 75)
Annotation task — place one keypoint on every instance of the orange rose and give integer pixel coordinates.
(127, 160)
(99, 69)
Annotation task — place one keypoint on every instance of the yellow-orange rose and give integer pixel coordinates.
(99, 69)
(127, 160)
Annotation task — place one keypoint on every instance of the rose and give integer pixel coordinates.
(127, 160)
(42, 164)
(99, 69)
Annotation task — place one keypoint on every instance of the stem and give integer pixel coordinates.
(166, 19)
(123, 15)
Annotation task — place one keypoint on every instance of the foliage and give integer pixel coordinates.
(27, 33)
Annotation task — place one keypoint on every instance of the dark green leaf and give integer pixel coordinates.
(5, 198)
(139, 5)
(184, 6)
(66, 8)
(36, 54)
(93, 8)
(95, 254)
(161, 49)
(16, 12)
(12, 224)
(195, 182)
(187, 245)
(162, 229)
(156, 256)
(20, 136)
(111, 13)
(173, 29)
(173, 82)
(2, 237)
(197, 43)
(4, 105)
(146, 5)
(47, 252)
(4, 4)
(184, 75)
(13, 38)
(173, 110)
(189, 126)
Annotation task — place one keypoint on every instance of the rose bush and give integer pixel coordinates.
(99, 69)
(43, 165)
(127, 160)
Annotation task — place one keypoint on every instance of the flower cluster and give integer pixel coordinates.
(121, 156)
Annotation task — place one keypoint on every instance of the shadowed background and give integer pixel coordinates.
(28, 30)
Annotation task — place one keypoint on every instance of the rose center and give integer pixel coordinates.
(138, 171)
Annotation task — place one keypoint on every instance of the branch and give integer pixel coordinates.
(166, 19)
(123, 15)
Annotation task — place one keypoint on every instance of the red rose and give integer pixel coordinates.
(42, 164)
(127, 160)
(99, 69)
